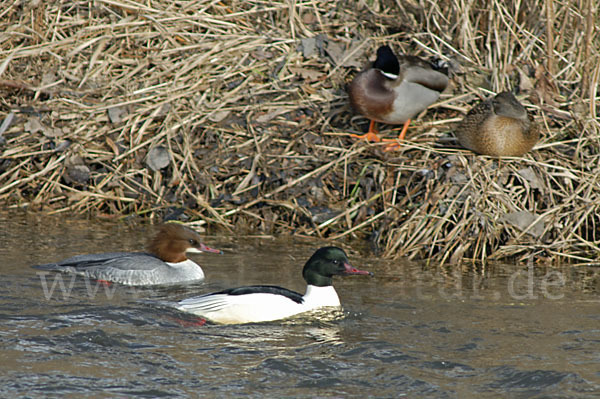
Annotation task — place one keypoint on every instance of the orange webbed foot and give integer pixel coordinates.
(394, 144)
(367, 136)
(371, 135)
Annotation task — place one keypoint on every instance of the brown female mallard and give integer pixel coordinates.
(499, 126)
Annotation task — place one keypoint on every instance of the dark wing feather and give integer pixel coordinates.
(263, 289)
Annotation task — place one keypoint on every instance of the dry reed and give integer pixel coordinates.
(234, 114)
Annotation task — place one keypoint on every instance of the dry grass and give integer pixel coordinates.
(253, 126)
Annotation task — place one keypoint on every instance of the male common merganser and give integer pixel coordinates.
(395, 89)
(260, 303)
(164, 263)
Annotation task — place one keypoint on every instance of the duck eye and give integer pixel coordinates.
(192, 242)
(335, 261)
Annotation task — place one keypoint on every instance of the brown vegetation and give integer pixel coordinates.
(234, 113)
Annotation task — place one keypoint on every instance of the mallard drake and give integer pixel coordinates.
(499, 126)
(395, 89)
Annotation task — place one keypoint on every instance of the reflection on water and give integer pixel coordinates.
(413, 331)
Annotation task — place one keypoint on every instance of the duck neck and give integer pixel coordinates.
(164, 252)
(317, 279)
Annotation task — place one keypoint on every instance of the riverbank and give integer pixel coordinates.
(234, 115)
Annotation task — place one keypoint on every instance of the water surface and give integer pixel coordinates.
(411, 331)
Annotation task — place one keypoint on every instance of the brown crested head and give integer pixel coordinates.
(173, 240)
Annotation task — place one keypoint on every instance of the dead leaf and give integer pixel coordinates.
(270, 115)
(354, 56)
(7, 122)
(78, 174)
(335, 51)
(62, 146)
(33, 125)
(112, 145)
(218, 116)
(53, 132)
(523, 219)
(306, 73)
(76, 170)
(309, 46)
(529, 175)
(116, 114)
(309, 18)
(525, 83)
(313, 46)
(158, 158)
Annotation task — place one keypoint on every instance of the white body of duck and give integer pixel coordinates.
(262, 303)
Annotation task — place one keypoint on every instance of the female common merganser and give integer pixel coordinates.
(260, 303)
(165, 262)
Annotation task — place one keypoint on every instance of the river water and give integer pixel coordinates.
(410, 331)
